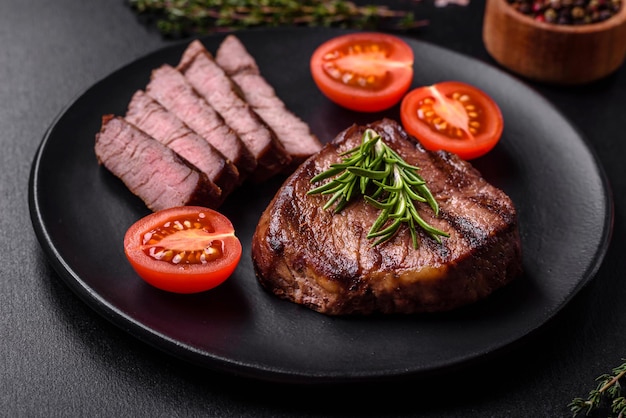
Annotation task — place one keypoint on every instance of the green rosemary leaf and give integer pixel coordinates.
(333, 199)
(376, 172)
(333, 171)
(380, 221)
(352, 151)
(400, 208)
(391, 188)
(346, 178)
(332, 190)
(432, 231)
(412, 178)
(370, 174)
(378, 204)
(325, 188)
(402, 163)
(350, 190)
(412, 194)
(388, 231)
(425, 192)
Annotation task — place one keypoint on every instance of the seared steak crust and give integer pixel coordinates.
(324, 261)
(151, 170)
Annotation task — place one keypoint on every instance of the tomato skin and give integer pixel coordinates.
(383, 58)
(184, 278)
(470, 145)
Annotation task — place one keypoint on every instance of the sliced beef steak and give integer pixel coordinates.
(292, 132)
(171, 89)
(151, 170)
(313, 257)
(149, 116)
(210, 80)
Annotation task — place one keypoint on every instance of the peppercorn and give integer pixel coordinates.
(568, 12)
(578, 12)
(550, 15)
(555, 4)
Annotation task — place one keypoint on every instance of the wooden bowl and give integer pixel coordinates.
(554, 53)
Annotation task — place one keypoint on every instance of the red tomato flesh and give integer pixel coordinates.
(453, 116)
(186, 249)
(365, 71)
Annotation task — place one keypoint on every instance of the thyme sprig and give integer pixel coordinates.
(609, 388)
(387, 182)
(178, 18)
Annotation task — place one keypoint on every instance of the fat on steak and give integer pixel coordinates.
(218, 89)
(295, 134)
(324, 261)
(172, 90)
(151, 170)
(148, 115)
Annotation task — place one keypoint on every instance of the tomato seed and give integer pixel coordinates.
(153, 238)
(333, 65)
(438, 123)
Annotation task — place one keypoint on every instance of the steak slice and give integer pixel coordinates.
(324, 261)
(151, 170)
(171, 89)
(291, 131)
(148, 115)
(212, 83)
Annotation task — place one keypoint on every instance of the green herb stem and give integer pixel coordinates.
(608, 388)
(187, 17)
(376, 172)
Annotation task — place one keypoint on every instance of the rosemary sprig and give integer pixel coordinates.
(608, 388)
(376, 172)
(178, 18)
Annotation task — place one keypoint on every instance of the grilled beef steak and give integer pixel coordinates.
(148, 115)
(151, 170)
(212, 83)
(170, 88)
(324, 261)
(291, 131)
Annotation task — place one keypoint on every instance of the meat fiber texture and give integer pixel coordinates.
(197, 115)
(220, 92)
(322, 260)
(148, 115)
(292, 132)
(173, 91)
(151, 170)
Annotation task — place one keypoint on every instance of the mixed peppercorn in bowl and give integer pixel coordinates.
(565, 42)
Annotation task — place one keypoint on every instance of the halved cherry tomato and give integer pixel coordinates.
(364, 71)
(185, 249)
(452, 116)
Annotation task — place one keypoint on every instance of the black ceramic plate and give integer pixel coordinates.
(80, 213)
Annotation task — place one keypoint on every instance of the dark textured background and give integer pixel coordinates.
(59, 358)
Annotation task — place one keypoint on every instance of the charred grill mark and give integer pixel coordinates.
(326, 262)
(276, 238)
(275, 245)
(496, 211)
(496, 207)
(442, 249)
(472, 234)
